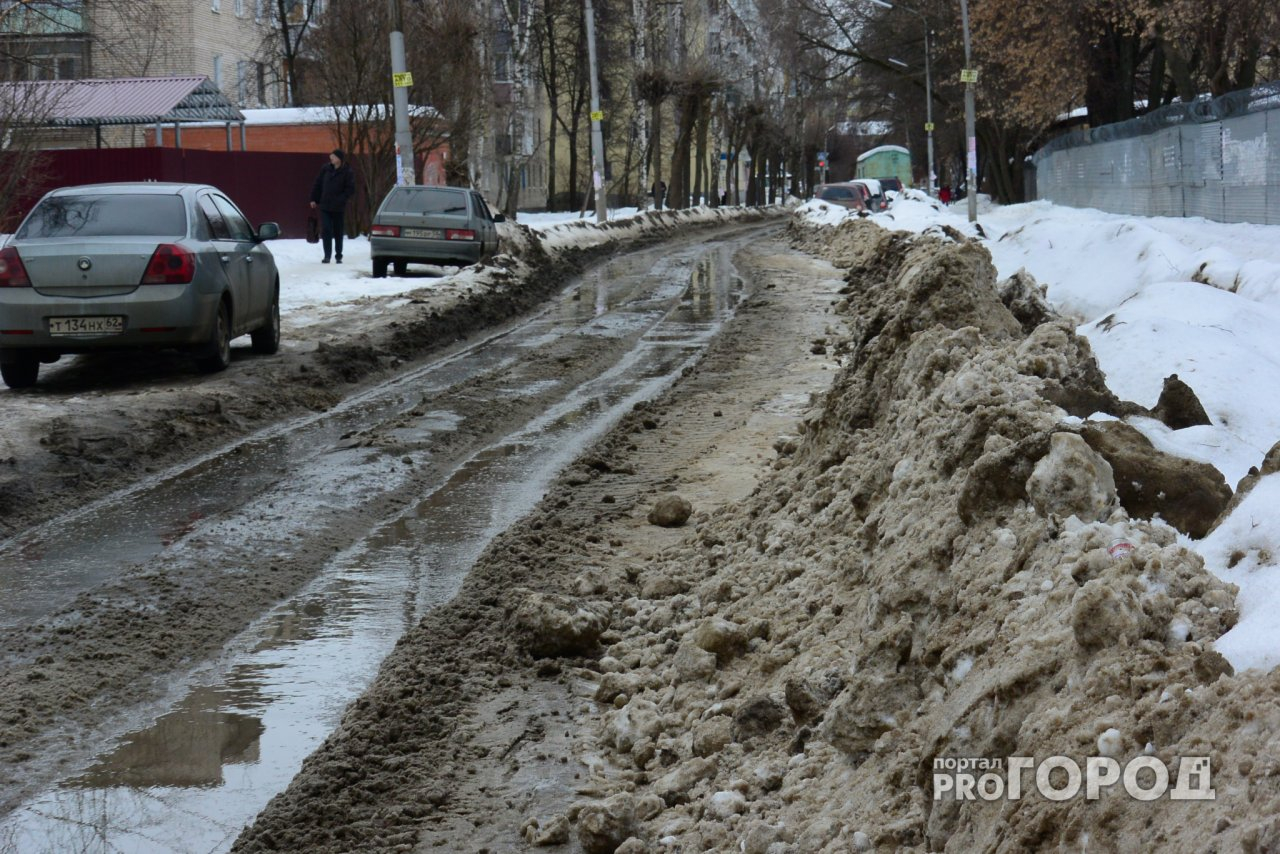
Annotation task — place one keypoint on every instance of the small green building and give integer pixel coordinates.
(886, 161)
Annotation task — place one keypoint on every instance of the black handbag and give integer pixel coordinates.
(313, 230)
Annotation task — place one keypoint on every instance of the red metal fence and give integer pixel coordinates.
(267, 186)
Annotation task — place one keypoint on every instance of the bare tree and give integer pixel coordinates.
(513, 52)
(449, 80)
(24, 107)
(352, 71)
(292, 23)
(562, 69)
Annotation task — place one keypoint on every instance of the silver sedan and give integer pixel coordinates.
(142, 265)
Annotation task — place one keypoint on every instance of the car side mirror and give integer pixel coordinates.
(499, 218)
(268, 231)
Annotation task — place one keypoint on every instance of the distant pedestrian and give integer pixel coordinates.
(333, 188)
(944, 195)
(659, 194)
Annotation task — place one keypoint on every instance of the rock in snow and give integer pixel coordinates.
(1072, 480)
(670, 511)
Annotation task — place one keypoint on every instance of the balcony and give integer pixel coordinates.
(42, 17)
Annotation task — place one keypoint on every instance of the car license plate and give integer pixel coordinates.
(429, 233)
(86, 325)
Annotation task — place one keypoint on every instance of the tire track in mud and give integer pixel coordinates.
(115, 420)
(116, 646)
(464, 735)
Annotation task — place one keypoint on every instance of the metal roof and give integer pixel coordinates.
(896, 149)
(125, 101)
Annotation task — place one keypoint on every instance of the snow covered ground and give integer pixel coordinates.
(1158, 296)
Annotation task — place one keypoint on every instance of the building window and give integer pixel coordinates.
(217, 71)
(239, 8)
(42, 17)
(259, 10)
(262, 83)
(242, 82)
(215, 5)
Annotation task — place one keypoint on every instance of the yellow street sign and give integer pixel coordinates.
(402, 79)
(968, 75)
(928, 126)
(597, 116)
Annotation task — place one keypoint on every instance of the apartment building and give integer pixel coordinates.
(224, 40)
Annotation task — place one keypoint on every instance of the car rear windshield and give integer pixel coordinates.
(837, 193)
(107, 215)
(425, 200)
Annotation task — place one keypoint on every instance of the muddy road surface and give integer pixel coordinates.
(174, 649)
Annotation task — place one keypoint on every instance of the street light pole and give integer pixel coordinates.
(971, 136)
(928, 88)
(597, 136)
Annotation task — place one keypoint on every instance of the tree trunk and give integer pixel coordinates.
(551, 161)
(704, 120)
(571, 136)
(655, 142)
(679, 191)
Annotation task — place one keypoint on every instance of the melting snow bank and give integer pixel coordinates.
(941, 567)
(585, 233)
(1158, 296)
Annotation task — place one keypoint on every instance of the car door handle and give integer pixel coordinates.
(225, 258)
(249, 258)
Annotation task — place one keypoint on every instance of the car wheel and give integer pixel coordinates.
(379, 268)
(266, 338)
(21, 372)
(401, 267)
(216, 355)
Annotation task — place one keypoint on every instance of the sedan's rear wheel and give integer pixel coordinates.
(266, 338)
(20, 371)
(379, 268)
(216, 355)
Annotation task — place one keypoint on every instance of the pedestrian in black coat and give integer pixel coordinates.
(333, 188)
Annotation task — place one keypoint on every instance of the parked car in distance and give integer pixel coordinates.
(876, 201)
(137, 265)
(431, 225)
(844, 195)
(890, 185)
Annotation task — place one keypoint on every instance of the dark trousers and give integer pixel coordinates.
(331, 232)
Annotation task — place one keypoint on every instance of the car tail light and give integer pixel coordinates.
(385, 231)
(170, 264)
(12, 273)
(459, 234)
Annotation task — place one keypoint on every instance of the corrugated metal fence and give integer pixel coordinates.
(1218, 159)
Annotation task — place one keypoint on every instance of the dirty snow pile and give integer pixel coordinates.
(932, 571)
(1157, 296)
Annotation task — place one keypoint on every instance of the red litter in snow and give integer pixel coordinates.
(1119, 548)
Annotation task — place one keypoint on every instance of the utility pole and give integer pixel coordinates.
(401, 80)
(969, 76)
(928, 111)
(597, 136)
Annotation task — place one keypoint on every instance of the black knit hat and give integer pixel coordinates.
(340, 154)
